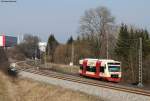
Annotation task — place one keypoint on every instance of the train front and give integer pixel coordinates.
(114, 71)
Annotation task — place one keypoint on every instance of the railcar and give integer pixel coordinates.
(109, 70)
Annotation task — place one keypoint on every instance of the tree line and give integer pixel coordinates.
(124, 48)
(127, 51)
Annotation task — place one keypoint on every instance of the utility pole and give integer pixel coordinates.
(22, 38)
(105, 34)
(107, 54)
(46, 50)
(45, 59)
(18, 40)
(106, 29)
(140, 64)
(72, 53)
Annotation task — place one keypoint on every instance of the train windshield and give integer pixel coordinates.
(114, 68)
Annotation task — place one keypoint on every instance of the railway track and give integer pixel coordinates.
(79, 79)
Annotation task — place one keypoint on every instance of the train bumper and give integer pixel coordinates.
(113, 79)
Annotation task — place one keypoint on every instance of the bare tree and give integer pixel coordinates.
(29, 46)
(96, 25)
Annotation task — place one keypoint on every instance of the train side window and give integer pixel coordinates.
(81, 67)
(102, 69)
(91, 69)
(88, 68)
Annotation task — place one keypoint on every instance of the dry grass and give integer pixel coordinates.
(65, 68)
(52, 66)
(4, 64)
(61, 68)
(27, 90)
(4, 85)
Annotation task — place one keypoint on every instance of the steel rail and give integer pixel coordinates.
(82, 81)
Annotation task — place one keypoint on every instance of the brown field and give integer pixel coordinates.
(62, 68)
(56, 67)
(27, 90)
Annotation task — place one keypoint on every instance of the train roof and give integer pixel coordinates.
(90, 59)
(104, 60)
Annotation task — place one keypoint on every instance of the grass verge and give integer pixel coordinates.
(27, 90)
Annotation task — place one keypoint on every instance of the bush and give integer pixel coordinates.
(4, 63)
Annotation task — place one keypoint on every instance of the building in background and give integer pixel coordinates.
(8, 41)
(42, 46)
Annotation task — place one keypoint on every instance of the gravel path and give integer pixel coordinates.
(104, 93)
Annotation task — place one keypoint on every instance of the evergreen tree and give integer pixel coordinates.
(127, 48)
(145, 42)
(122, 46)
(70, 40)
(123, 52)
(51, 46)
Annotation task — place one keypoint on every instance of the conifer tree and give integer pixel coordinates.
(51, 46)
(122, 46)
(127, 47)
(70, 40)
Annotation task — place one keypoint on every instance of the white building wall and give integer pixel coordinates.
(1, 41)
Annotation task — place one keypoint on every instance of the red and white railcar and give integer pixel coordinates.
(101, 68)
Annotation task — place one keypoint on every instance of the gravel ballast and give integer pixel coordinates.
(105, 93)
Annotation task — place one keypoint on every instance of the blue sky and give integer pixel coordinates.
(61, 17)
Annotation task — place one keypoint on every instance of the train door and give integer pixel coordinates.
(84, 66)
(98, 64)
(102, 71)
